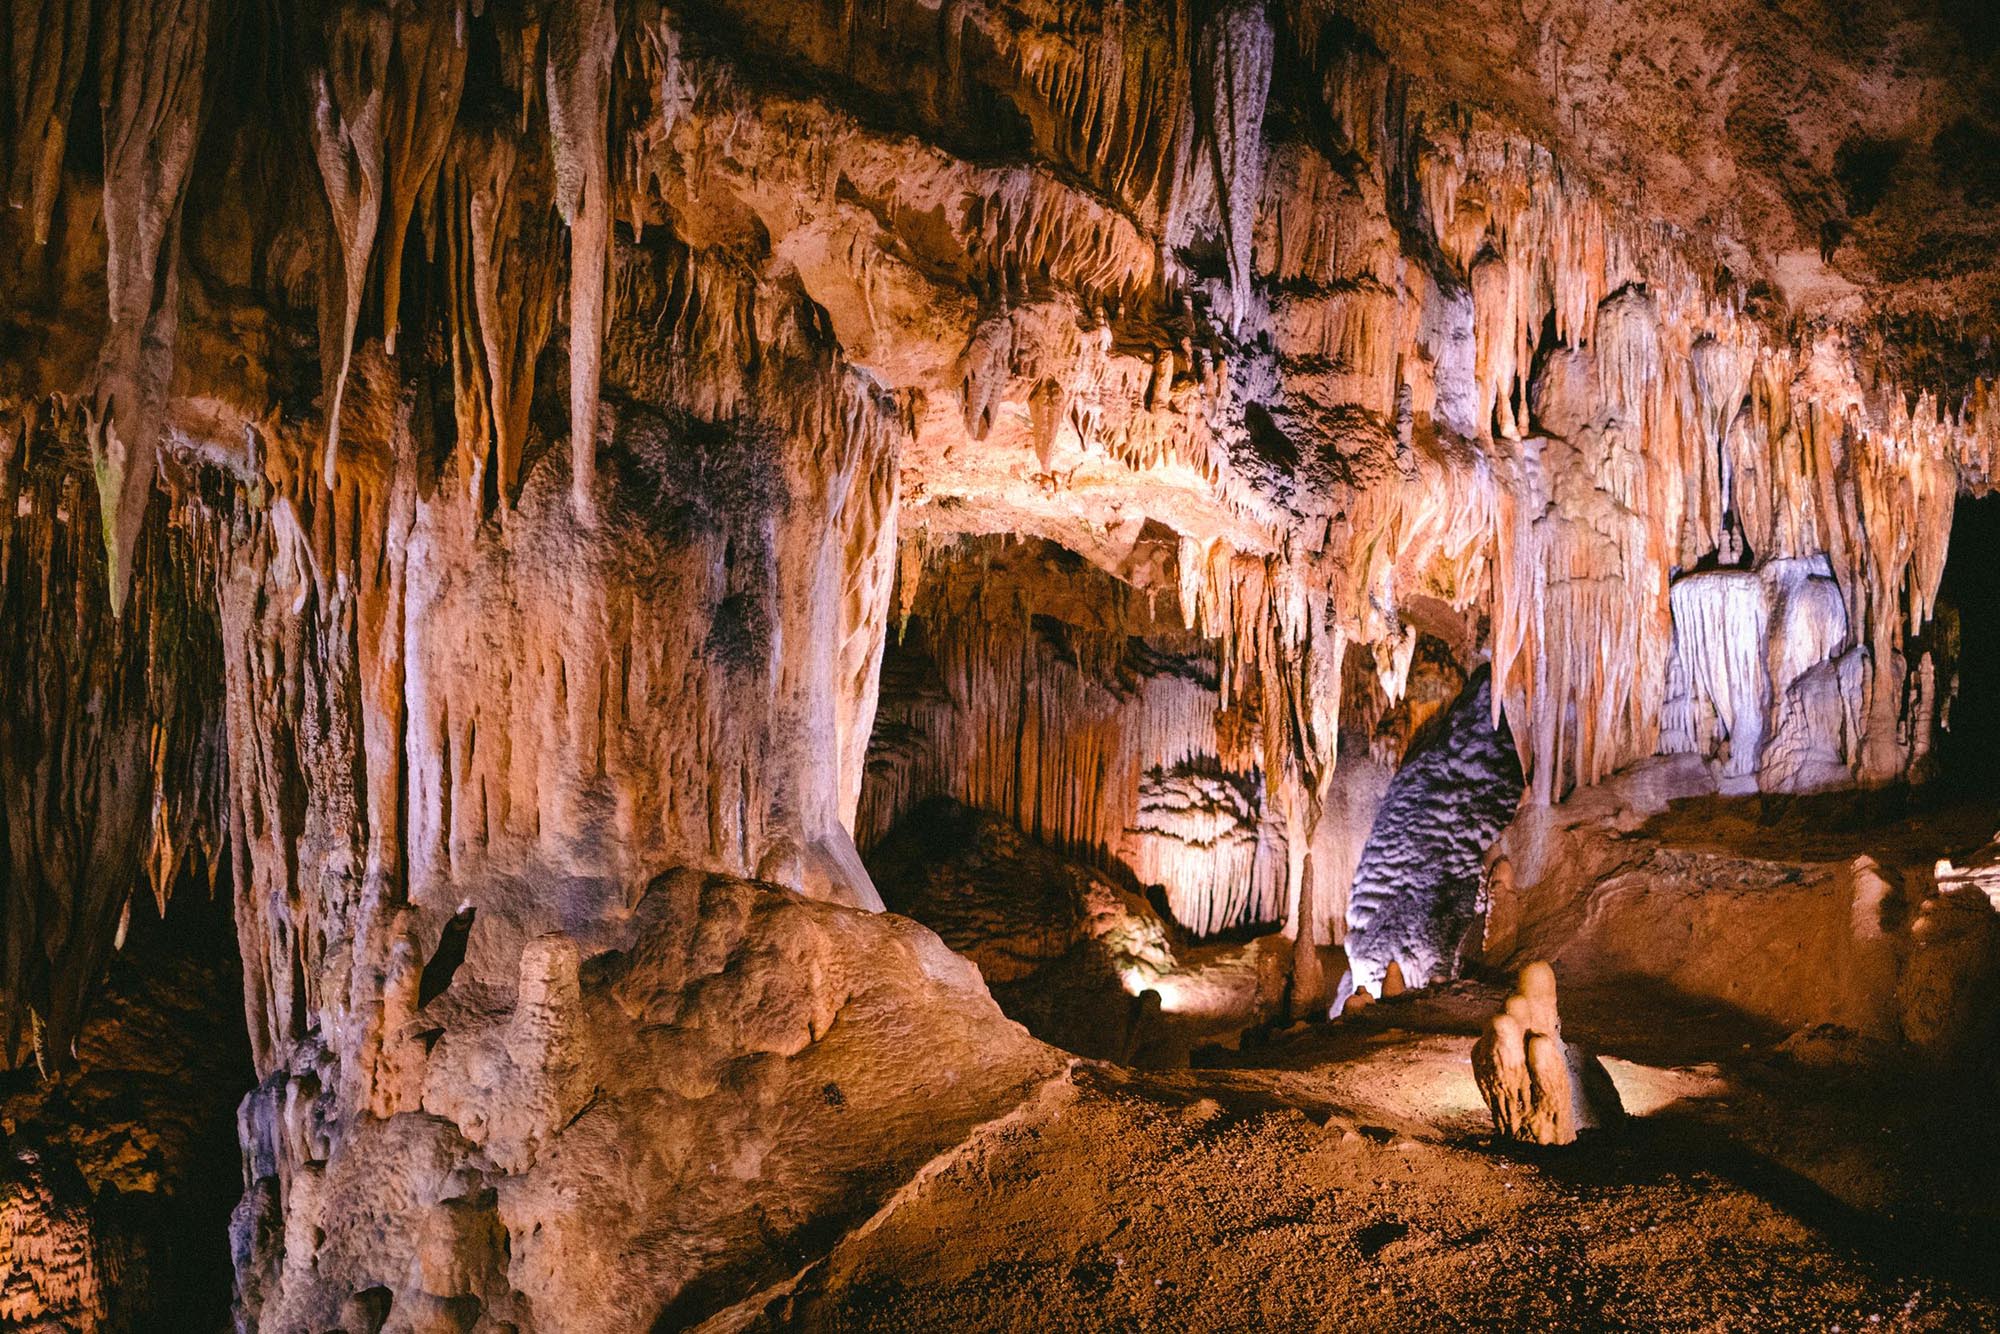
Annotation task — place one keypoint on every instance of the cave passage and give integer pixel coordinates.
(1030, 683)
(1056, 785)
(1969, 596)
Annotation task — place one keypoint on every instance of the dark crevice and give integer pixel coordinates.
(445, 959)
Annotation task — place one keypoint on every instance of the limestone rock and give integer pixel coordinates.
(1109, 417)
(1948, 998)
(49, 1271)
(1066, 951)
(602, 1141)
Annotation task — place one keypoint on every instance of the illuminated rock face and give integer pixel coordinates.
(513, 434)
(733, 1063)
(1416, 890)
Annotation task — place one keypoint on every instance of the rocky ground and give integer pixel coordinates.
(1346, 1175)
(1351, 1180)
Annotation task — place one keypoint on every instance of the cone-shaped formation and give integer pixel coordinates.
(582, 39)
(151, 64)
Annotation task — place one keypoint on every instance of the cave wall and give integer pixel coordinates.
(555, 407)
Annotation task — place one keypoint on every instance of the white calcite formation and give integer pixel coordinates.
(1759, 683)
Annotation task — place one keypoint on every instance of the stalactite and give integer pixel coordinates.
(1238, 47)
(348, 92)
(425, 79)
(1438, 387)
(582, 39)
(109, 752)
(46, 43)
(151, 61)
(501, 277)
(1085, 737)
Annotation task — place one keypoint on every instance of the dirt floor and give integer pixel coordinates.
(1345, 1175)
(1351, 1181)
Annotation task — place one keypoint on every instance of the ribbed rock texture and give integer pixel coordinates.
(462, 466)
(1416, 887)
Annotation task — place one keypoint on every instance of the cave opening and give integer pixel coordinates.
(1967, 631)
(1059, 784)
(136, 1116)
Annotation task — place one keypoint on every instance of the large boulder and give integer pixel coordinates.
(642, 1135)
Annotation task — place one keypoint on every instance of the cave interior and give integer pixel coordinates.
(1019, 664)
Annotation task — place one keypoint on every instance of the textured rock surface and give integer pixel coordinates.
(117, 1174)
(1821, 916)
(1031, 684)
(735, 1075)
(1416, 890)
(1065, 951)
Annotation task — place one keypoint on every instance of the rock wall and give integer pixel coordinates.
(1799, 917)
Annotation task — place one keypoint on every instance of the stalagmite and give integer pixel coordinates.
(1538, 1087)
(1416, 884)
(1287, 483)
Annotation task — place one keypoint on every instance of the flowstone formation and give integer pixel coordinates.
(1416, 889)
(1538, 1087)
(522, 494)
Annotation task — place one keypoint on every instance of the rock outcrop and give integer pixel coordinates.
(734, 1074)
(118, 1170)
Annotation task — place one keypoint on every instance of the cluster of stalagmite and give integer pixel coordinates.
(531, 423)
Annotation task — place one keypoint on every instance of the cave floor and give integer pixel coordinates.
(1347, 1177)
